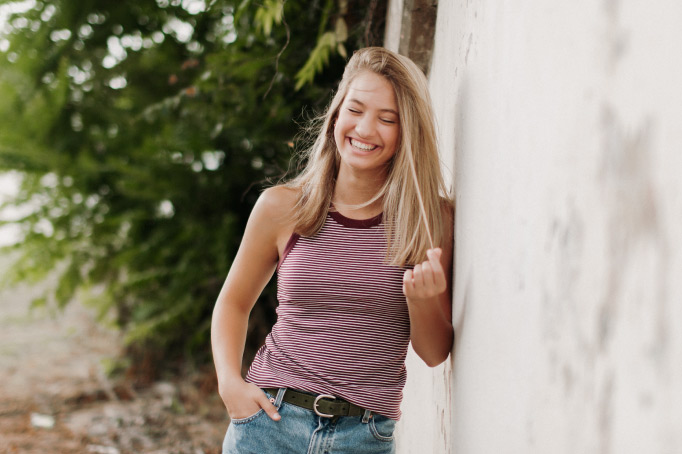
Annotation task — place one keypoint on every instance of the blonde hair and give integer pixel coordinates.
(407, 236)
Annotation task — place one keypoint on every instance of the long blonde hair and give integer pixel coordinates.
(407, 236)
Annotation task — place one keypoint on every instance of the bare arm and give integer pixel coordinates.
(251, 270)
(428, 289)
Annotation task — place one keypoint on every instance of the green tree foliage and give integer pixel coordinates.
(145, 131)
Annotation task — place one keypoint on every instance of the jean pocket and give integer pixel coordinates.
(248, 419)
(382, 428)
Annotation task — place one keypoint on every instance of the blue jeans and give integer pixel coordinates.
(301, 431)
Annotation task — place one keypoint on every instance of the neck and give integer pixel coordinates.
(355, 188)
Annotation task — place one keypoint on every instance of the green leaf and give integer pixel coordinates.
(341, 49)
(319, 57)
(269, 14)
(341, 30)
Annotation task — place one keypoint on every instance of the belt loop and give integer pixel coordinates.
(280, 396)
(365, 418)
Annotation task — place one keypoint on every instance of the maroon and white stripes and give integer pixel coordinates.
(342, 321)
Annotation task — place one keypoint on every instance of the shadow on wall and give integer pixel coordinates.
(462, 280)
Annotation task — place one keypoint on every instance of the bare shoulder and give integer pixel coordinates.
(275, 212)
(278, 201)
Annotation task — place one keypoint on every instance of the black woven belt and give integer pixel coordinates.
(324, 405)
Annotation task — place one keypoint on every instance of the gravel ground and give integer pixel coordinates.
(55, 397)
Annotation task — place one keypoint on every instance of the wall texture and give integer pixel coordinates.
(562, 123)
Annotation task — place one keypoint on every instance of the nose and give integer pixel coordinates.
(365, 126)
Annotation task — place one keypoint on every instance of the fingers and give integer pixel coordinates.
(245, 399)
(422, 274)
(439, 280)
(408, 283)
(268, 406)
(426, 279)
(434, 258)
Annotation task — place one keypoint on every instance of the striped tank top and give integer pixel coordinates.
(342, 321)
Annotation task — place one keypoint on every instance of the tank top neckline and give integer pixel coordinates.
(355, 223)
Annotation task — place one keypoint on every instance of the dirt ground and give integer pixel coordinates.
(56, 398)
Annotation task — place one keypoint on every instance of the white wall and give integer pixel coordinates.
(563, 122)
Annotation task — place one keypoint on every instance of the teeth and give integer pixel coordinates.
(361, 145)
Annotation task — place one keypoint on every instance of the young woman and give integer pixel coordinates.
(360, 275)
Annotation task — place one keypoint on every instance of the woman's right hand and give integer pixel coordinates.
(244, 399)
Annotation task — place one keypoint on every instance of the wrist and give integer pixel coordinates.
(230, 380)
(422, 303)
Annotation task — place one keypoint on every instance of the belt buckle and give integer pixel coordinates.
(316, 403)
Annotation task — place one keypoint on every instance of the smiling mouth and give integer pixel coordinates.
(362, 146)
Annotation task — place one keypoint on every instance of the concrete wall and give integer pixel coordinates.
(563, 124)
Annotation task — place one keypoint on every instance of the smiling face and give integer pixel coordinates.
(367, 127)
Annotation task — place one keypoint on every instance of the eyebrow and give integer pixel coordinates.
(357, 101)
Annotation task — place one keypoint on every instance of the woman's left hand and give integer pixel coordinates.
(427, 279)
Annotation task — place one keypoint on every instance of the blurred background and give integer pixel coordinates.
(135, 138)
